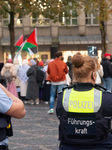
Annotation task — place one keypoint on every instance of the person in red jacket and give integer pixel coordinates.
(57, 71)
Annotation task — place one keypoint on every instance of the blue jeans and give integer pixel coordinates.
(107, 83)
(54, 88)
(68, 147)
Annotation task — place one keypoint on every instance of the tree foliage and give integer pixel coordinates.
(54, 8)
(18, 6)
(103, 11)
(12, 7)
(102, 8)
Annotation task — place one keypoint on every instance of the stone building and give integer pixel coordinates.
(70, 37)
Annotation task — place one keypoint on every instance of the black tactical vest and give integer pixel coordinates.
(3, 125)
(101, 130)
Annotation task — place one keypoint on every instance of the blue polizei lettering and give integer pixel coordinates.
(75, 104)
(78, 105)
(85, 104)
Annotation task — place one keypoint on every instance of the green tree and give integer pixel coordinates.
(53, 9)
(12, 7)
(103, 10)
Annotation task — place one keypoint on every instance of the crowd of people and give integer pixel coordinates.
(21, 80)
(83, 108)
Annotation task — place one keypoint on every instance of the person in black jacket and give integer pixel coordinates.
(70, 66)
(84, 110)
(33, 86)
(107, 69)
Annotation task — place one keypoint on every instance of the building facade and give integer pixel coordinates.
(70, 37)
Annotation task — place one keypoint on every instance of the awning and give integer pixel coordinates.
(44, 40)
(68, 40)
(90, 39)
(41, 40)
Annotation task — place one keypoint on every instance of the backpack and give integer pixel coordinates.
(8, 75)
(40, 75)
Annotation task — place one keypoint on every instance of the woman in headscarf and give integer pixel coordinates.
(9, 72)
(33, 86)
(23, 79)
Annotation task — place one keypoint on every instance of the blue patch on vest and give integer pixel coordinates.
(81, 126)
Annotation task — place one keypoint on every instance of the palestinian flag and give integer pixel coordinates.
(31, 41)
(28, 45)
(31, 51)
(19, 42)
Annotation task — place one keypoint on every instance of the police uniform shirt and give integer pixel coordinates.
(5, 105)
(106, 102)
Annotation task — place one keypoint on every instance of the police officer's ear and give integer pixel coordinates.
(93, 76)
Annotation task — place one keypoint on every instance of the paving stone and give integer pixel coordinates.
(36, 131)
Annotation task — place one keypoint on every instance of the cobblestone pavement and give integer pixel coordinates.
(36, 131)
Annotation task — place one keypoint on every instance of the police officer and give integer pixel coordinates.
(83, 110)
(10, 106)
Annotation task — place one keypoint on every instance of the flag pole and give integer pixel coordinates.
(36, 39)
(18, 53)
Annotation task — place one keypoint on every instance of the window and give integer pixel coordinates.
(71, 20)
(5, 20)
(91, 19)
(40, 21)
(18, 20)
(6, 16)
